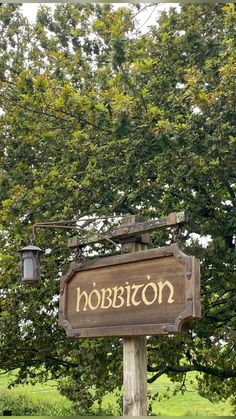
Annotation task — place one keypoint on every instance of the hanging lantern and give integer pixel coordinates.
(30, 258)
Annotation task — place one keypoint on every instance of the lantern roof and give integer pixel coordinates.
(31, 247)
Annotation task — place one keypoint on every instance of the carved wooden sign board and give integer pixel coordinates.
(151, 292)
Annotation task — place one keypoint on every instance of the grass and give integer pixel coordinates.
(46, 391)
(188, 404)
(31, 400)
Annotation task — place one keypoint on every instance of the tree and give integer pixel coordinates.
(100, 119)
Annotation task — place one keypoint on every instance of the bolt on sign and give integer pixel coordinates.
(150, 292)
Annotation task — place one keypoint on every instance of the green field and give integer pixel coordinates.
(188, 404)
(46, 395)
(33, 400)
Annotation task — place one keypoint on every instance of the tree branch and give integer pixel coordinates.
(51, 115)
(225, 374)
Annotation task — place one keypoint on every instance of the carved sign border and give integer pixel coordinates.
(192, 301)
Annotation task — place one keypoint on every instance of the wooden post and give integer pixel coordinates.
(135, 376)
(135, 349)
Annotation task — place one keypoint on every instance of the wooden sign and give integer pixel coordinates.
(150, 292)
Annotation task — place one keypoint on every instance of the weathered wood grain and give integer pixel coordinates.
(135, 376)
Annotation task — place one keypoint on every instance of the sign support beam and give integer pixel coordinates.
(131, 230)
(134, 351)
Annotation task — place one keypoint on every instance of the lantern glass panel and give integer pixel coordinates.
(29, 271)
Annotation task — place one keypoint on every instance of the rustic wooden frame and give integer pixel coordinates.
(192, 302)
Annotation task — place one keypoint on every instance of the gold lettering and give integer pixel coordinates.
(171, 288)
(105, 297)
(116, 290)
(135, 288)
(144, 298)
(97, 293)
(79, 296)
(128, 288)
(116, 297)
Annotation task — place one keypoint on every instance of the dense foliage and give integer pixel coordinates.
(98, 118)
(23, 404)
